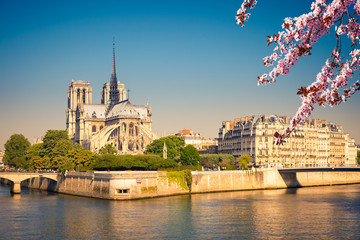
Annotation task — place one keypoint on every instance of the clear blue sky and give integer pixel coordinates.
(189, 58)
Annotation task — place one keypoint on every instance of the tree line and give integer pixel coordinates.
(58, 152)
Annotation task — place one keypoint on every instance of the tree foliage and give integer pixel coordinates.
(189, 156)
(107, 149)
(174, 146)
(358, 157)
(58, 152)
(15, 150)
(131, 162)
(222, 160)
(244, 161)
(332, 85)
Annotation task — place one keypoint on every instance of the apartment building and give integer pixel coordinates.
(315, 144)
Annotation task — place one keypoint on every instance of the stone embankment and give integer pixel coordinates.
(126, 185)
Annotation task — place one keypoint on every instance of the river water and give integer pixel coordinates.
(331, 212)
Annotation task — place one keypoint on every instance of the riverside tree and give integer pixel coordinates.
(15, 150)
(174, 146)
(333, 83)
(244, 161)
(190, 155)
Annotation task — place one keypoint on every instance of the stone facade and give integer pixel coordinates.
(315, 144)
(115, 121)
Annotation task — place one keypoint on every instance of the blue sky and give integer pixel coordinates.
(189, 58)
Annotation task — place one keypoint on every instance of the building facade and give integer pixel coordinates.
(115, 121)
(195, 139)
(315, 144)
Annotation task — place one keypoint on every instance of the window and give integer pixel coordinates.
(84, 95)
(131, 129)
(78, 95)
(93, 128)
(122, 191)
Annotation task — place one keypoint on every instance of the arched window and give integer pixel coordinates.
(101, 127)
(131, 129)
(78, 95)
(136, 130)
(94, 128)
(131, 145)
(84, 94)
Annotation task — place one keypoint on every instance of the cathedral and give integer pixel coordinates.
(115, 121)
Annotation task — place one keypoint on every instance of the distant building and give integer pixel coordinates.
(195, 139)
(38, 140)
(115, 121)
(350, 150)
(2, 153)
(317, 143)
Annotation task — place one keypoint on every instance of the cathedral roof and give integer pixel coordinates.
(124, 108)
(94, 110)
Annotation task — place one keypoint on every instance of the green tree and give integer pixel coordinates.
(244, 161)
(211, 160)
(15, 150)
(35, 156)
(56, 143)
(190, 156)
(81, 158)
(174, 146)
(107, 149)
(179, 143)
(358, 157)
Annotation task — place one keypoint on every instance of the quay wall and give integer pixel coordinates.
(122, 185)
(127, 185)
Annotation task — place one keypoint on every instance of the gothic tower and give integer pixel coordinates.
(79, 93)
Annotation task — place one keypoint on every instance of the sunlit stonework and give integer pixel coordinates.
(115, 121)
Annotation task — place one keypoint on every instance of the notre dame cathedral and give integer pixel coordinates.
(115, 121)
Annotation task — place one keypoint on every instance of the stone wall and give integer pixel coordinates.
(235, 181)
(126, 185)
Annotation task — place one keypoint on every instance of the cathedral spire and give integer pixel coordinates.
(114, 91)
(113, 73)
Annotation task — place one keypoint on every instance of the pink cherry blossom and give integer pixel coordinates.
(296, 39)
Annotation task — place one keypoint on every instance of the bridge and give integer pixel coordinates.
(319, 176)
(319, 169)
(17, 177)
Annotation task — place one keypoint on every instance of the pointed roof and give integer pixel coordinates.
(113, 72)
(114, 92)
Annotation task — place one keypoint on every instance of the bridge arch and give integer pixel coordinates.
(17, 177)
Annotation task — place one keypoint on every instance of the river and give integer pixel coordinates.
(331, 212)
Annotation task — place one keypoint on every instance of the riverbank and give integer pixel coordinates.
(128, 185)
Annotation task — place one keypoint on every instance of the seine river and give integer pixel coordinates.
(305, 213)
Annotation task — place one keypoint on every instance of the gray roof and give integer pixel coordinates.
(94, 110)
(125, 108)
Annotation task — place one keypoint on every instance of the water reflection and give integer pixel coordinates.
(305, 213)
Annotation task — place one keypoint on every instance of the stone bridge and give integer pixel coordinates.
(17, 177)
(320, 176)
